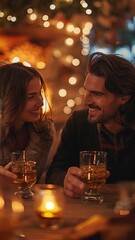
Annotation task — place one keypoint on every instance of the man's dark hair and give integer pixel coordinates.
(119, 76)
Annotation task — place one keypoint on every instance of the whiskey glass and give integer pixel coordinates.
(24, 166)
(93, 165)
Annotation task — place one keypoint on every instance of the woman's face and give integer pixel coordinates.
(34, 102)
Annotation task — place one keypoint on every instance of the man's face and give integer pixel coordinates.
(103, 105)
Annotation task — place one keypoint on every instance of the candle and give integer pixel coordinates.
(49, 203)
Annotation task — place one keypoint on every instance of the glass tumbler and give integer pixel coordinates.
(93, 165)
(24, 166)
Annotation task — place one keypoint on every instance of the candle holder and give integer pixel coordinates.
(48, 201)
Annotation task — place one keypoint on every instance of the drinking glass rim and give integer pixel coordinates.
(93, 151)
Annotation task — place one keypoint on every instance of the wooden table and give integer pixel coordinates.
(75, 211)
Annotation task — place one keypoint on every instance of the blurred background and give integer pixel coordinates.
(57, 37)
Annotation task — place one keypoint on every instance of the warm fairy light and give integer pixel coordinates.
(87, 28)
(85, 51)
(81, 91)
(84, 5)
(69, 41)
(70, 103)
(76, 62)
(82, 1)
(88, 11)
(29, 10)
(2, 202)
(13, 19)
(72, 80)
(70, 28)
(46, 24)
(69, 59)
(26, 64)
(77, 30)
(45, 17)
(57, 53)
(85, 40)
(52, 6)
(88, 25)
(33, 17)
(1, 14)
(67, 110)
(17, 206)
(78, 100)
(86, 31)
(60, 25)
(40, 65)
(15, 60)
(9, 17)
(62, 92)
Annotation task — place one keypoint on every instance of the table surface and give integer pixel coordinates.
(75, 212)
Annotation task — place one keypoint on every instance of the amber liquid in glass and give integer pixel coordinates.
(94, 175)
(26, 174)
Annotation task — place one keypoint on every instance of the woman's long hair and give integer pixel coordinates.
(14, 80)
(119, 77)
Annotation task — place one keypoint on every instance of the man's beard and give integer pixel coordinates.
(103, 119)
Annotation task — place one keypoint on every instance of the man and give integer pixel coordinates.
(107, 124)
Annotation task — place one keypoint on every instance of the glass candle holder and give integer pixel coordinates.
(48, 202)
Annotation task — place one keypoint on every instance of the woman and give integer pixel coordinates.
(24, 126)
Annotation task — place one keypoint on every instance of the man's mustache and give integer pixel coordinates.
(94, 106)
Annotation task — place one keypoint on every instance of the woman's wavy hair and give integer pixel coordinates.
(119, 76)
(14, 80)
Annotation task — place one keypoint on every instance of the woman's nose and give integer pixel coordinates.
(39, 102)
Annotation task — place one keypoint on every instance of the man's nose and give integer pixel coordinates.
(87, 99)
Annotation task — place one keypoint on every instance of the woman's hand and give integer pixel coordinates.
(73, 186)
(4, 171)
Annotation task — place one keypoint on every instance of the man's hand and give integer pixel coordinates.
(73, 186)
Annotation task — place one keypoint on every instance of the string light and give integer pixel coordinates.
(76, 62)
(15, 60)
(71, 29)
(70, 103)
(40, 65)
(52, 7)
(60, 25)
(78, 100)
(67, 110)
(69, 41)
(33, 17)
(72, 80)
(2, 14)
(46, 24)
(45, 17)
(62, 92)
